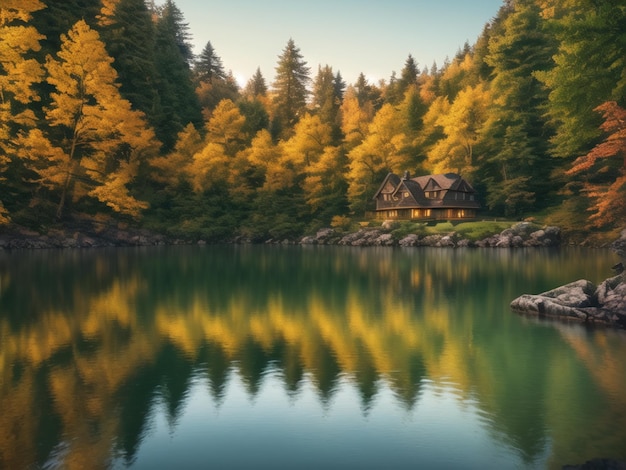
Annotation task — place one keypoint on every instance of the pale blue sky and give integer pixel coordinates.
(352, 36)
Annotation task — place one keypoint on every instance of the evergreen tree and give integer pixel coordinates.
(589, 69)
(327, 96)
(209, 66)
(128, 32)
(177, 101)
(290, 90)
(517, 116)
(408, 75)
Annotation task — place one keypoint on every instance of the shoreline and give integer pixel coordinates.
(523, 234)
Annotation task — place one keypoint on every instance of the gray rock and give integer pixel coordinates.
(409, 240)
(447, 241)
(580, 301)
(386, 239)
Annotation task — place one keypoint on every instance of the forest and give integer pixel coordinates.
(107, 117)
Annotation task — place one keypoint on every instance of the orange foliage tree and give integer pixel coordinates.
(608, 157)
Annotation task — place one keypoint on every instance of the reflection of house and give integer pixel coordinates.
(426, 197)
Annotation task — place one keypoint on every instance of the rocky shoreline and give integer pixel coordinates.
(582, 301)
(523, 234)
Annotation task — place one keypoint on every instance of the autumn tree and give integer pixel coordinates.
(290, 90)
(461, 123)
(605, 169)
(96, 141)
(382, 151)
(18, 75)
(211, 165)
(356, 115)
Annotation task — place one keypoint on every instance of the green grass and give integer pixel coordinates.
(482, 229)
(476, 230)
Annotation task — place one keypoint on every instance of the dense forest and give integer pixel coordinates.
(107, 116)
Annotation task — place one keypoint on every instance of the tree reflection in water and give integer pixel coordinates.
(93, 341)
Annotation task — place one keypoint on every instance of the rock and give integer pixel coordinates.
(447, 241)
(386, 239)
(580, 301)
(309, 240)
(324, 235)
(503, 241)
(409, 240)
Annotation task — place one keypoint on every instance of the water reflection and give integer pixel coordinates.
(95, 342)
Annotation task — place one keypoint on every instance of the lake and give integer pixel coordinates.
(286, 357)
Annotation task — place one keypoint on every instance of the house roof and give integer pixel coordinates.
(448, 184)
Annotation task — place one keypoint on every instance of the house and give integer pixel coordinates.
(439, 197)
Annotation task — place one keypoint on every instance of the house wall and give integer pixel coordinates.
(425, 214)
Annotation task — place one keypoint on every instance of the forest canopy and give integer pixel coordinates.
(106, 114)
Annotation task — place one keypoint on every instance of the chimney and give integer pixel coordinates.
(407, 175)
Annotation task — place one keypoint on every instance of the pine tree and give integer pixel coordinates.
(327, 97)
(127, 30)
(177, 101)
(256, 86)
(521, 48)
(290, 90)
(209, 66)
(589, 69)
(408, 75)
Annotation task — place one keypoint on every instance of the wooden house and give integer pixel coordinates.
(435, 197)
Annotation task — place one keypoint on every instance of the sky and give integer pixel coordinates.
(370, 37)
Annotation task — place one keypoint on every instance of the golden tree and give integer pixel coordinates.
(461, 124)
(380, 152)
(95, 138)
(17, 75)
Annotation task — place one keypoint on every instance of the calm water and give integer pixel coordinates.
(301, 357)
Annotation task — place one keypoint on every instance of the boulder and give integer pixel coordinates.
(580, 301)
(409, 240)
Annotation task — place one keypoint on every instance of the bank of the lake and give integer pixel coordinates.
(523, 234)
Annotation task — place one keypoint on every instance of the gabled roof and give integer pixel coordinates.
(439, 182)
(391, 178)
(450, 184)
(414, 190)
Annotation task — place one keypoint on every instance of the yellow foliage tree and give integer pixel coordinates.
(172, 169)
(95, 136)
(225, 127)
(380, 152)
(354, 118)
(461, 123)
(17, 76)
